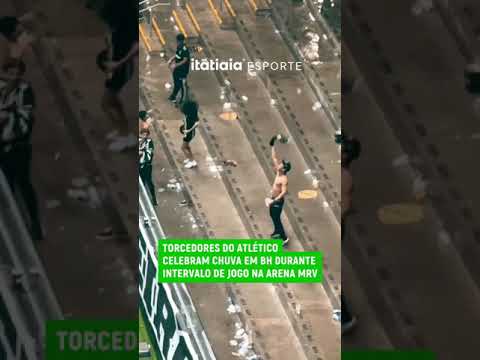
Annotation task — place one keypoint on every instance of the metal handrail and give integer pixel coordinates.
(151, 230)
(24, 287)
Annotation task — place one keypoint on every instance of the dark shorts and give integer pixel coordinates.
(189, 137)
(120, 77)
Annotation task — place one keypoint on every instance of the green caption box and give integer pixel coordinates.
(388, 355)
(235, 260)
(92, 339)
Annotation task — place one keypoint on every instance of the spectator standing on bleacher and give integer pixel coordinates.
(146, 149)
(17, 102)
(118, 63)
(180, 66)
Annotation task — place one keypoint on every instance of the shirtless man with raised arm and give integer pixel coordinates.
(277, 195)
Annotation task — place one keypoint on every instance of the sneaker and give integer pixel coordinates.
(285, 242)
(186, 161)
(105, 234)
(172, 100)
(191, 164)
(349, 325)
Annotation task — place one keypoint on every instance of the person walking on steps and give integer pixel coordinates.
(350, 152)
(277, 195)
(145, 152)
(180, 66)
(190, 123)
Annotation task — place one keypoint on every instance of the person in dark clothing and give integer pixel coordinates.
(180, 65)
(146, 150)
(17, 103)
(279, 189)
(118, 63)
(190, 123)
(350, 152)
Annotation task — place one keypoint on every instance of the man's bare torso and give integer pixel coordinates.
(278, 183)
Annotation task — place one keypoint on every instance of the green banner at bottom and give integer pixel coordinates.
(94, 339)
(388, 355)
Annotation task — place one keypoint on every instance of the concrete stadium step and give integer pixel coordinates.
(392, 258)
(323, 73)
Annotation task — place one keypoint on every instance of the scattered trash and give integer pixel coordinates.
(233, 342)
(315, 183)
(227, 82)
(299, 91)
(325, 204)
(308, 172)
(244, 98)
(316, 106)
(168, 85)
(183, 203)
(273, 102)
(161, 190)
